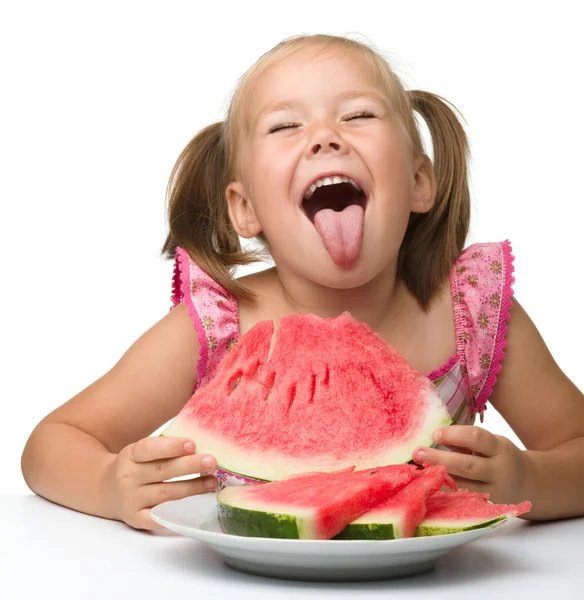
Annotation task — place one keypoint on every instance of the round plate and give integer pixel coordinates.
(314, 560)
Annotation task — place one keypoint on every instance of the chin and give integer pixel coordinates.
(325, 272)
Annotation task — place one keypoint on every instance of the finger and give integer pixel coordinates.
(457, 449)
(476, 439)
(157, 493)
(162, 470)
(159, 447)
(142, 520)
(475, 468)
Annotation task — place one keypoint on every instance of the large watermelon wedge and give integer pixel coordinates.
(309, 506)
(399, 515)
(332, 394)
(452, 512)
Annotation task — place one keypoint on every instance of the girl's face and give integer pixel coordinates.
(313, 114)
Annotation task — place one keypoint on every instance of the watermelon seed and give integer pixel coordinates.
(375, 382)
(291, 396)
(372, 472)
(312, 389)
(270, 381)
(236, 383)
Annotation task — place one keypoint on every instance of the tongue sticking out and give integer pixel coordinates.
(341, 233)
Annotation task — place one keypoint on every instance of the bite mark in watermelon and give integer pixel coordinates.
(399, 515)
(332, 394)
(310, 506)
(453, 512)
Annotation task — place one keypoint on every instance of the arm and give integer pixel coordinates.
(69, 453)
(546, 411)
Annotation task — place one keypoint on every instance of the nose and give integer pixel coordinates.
(325, 140)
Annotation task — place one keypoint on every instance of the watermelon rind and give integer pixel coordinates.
(267, 523)
(369, 531)
(444, 528)
(253, 523)
(310, 505)
(386, 530)
(239, 515)
(387, 525)
(255, 466)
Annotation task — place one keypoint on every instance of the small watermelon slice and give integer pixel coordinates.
(461, 510)
(309, 506)
(399, 515)
(332, 394)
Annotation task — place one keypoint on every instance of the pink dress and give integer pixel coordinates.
(481, 285)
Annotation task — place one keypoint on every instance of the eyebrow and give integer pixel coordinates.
(290, 105)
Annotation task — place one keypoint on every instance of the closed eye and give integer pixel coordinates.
(283, 126)
(360, 115)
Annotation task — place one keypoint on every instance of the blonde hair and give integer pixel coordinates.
(197, 210)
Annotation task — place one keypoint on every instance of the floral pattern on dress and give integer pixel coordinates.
(217, 313)
(481, 287)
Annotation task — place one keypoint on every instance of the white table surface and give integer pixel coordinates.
(51, 552)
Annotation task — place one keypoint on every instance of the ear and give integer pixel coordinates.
(241, 211)
(424, 185)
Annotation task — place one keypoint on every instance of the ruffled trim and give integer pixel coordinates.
(445, 368)
(182, 259)
(176, 294)
(460, 320)
(501, 336)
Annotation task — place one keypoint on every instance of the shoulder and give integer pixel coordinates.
(191, 280)
(484, 263)
(482, 283)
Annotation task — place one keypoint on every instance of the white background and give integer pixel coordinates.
(98, 99)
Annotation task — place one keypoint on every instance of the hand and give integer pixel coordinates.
(480, 462)
(138, 477)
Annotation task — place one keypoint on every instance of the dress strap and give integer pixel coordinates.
(213, 310)
(482, 297)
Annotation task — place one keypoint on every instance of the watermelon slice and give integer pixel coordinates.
(333, 394)
(452, 512)
(309, 506)
(399, 515)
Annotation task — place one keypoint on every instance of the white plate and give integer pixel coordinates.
(315, 560)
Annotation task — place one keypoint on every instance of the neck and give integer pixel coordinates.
(372, 303)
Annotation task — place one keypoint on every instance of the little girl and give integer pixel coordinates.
(320, 159)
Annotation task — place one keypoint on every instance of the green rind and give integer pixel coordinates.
(424, 530)
(370, 531)
(253, 523)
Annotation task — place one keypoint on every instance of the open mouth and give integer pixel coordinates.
(335, 196)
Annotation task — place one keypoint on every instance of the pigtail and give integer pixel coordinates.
(433, 241)
(198, 218)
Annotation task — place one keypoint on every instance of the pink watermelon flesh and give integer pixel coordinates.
(405, 509)
(332, 394)
(321, 504)
(451, 512)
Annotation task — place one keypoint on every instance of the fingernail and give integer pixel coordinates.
(437, 435)
(189, 447)
(207, 462)
(420, 455)
(211, 484)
